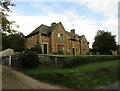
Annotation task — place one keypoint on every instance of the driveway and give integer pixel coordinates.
(112, 86)
(12, 79)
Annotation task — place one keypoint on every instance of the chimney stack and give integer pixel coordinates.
(73, 31)
(54, 23)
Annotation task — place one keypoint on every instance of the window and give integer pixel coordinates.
(69, 49)
(45, 37)
(60, 36)
(84, 50)
(60, 47)
(77, 49)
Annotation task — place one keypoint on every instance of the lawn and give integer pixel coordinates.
(88, 76)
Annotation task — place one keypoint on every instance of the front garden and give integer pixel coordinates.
(87, 76)
(78, 72)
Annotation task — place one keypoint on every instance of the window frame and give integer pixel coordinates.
(60, 36)
(61, 48)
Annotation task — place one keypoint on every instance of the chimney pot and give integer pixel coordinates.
(54, 23)
(73, 31)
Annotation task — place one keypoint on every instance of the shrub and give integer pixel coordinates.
(28, 59)
(73, 61)
(60, 52)
(36, 49)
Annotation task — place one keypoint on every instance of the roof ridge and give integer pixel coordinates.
(45, 25)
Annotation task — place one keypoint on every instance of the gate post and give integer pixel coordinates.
(9, 60)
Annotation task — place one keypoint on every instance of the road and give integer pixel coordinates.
(12, 79)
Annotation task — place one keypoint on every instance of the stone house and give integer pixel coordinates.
(55, 38)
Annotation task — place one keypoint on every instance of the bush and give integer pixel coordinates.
(36, 49)
(60, 52)
(28, 59)
(73, 61)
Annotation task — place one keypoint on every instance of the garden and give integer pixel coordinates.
(79, 72)
(88, 76)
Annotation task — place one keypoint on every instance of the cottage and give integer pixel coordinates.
(55, 39)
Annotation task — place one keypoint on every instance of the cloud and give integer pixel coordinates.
(106, 7)
(42, 6)
(71, 20)
(82, 25)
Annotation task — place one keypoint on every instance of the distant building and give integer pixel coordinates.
(55, 38)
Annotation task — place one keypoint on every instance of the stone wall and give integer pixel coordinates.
(50, 60)
(44, 59)
(53, 60)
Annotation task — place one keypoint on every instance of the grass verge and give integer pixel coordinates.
(87, 76)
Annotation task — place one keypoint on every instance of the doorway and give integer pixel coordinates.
(73, 51)
(45, 48)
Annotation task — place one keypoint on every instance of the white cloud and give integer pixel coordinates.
(42, 6)
(82, 24)
(108, 8)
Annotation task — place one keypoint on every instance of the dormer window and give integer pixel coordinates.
(60, 36)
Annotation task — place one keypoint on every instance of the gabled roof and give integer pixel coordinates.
(43, 29)
(47, 30)
(83, 36)
(80, 37)
(74, 36)
(71, 35)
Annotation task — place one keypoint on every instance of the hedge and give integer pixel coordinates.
(73, 61)
(28, 59)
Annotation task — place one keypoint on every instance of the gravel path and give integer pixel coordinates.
(12, 79)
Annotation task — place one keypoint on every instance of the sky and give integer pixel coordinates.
(85, 16)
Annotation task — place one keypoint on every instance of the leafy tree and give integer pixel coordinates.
(10, 37)
(5, 41)
(118, 49)
(14, 41)
(5, 23)
(104, 42)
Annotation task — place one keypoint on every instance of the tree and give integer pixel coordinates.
(10, 37)
(14, 41)
(118, 49)
(5, 23)
(104, 42)
(5, 41)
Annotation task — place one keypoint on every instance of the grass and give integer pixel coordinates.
(87, 76)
